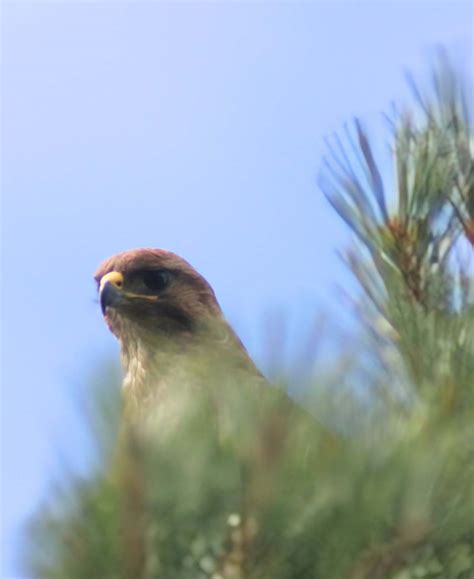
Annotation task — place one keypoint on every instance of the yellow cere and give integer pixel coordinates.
(114, 277)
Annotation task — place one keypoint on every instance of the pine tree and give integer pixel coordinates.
(385, 492)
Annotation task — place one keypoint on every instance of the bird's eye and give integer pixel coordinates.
(156, 280)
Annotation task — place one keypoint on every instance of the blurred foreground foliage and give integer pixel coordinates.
(256, 487)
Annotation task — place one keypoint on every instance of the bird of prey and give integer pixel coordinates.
(171, 329)
(179, 354)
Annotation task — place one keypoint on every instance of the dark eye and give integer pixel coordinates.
(156, 280)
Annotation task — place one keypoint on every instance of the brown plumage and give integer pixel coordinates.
(166, 318)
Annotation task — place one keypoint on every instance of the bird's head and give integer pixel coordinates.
(153, 292)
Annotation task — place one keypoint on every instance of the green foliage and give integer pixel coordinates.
(247, 484)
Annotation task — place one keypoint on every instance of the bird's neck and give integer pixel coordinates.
(149, 365)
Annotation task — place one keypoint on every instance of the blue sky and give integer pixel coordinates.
(195, 127)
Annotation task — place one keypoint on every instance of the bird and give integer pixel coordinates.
(195, 406)
(170, 326)
(179, 353)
